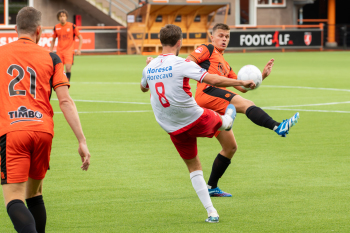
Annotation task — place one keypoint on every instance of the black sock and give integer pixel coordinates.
(68, 76)
(37, 207)
(260, 117)
(21, 217)
(219, 167)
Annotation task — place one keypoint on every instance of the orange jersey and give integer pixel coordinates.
(66, 36)
(28, 74)
(210, 58)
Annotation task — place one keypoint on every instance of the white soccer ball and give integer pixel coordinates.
(250, 72)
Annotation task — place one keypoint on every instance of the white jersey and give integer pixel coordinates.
(168, 78)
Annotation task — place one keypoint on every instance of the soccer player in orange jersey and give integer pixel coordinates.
(28, 75)
(210, 57)
(66, 33)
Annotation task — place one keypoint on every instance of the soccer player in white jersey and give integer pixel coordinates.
(167, 76)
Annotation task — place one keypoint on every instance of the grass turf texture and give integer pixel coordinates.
(137, 182)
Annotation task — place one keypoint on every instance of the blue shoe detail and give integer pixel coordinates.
(283, 128)
(217, 192)
(213, 218)
(231, 111)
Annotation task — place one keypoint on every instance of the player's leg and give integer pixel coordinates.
(260, 117)
(223, 159)
(68, 70)
(199, 185)
(187, 148)
(15, 164)
(20, 216)
(254, 113)
(221, 163)
(39, 166)
(68, 59)
(35, 203)
(218, 100)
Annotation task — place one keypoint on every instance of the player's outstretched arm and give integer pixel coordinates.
(240, 89)
(52, 43)
(268, 68)
(220, 81)
(70, 112)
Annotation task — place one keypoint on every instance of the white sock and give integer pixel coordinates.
(200, 186)
(226, 122)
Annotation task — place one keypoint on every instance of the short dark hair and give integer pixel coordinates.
(28, 19)
(60, 12)
(221, 26)
(170, 34)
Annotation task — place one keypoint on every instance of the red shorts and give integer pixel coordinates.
(205, 126)
(66, 57)
(23, 154)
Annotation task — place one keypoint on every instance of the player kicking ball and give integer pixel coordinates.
(210, 57)
(175, 110)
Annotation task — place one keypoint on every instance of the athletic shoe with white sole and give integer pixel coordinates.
(217, 192)
(230, 111)
(283, 128)
(213, 218)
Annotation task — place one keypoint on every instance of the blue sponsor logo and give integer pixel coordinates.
(159, 76)
(159, 70)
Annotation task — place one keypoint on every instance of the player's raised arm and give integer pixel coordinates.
(220, 81)
(268, 68)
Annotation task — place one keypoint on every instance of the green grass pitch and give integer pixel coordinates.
(137, 182)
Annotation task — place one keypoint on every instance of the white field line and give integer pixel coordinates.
(267, 108)
(106, 83)
(112, 111)
(304, 110)
(304, 105)
(287, 107)
(312, 88)
(105, 101)
(193, 84)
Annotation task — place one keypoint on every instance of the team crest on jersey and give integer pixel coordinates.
(221, 69)
(24, 114)
(307, 38)
(199, 50)
(68, 29)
